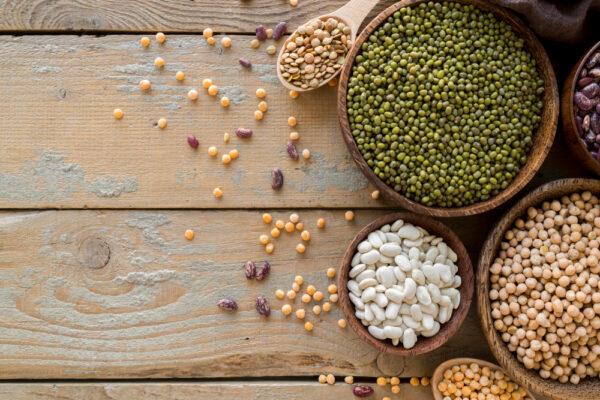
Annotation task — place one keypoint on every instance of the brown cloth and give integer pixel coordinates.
(560, 20)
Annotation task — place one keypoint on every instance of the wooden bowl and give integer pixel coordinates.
(438, 374)
(588, 388)
(465, 270)
(567, 114)
(542, 140)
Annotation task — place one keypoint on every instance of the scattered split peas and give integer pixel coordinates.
(300, 313)
(349, 215)
(414, 381)
(394, 381)
(321, 223)
(226, 158)
(269, 248)
(306, 298)
(264, 239)
(286, 309)
(160, 37)
(311, 290)
(332, 289)
(318, 296)
(262, 106)
(159, 62)
(207, 83)
(224, 101)
(326, 306)
(294, 136)
(118, 113)
(261, 93)
(295, 287)
(349, 380)
(189, 234)
(341, 323)
(212, 151)
(258, 115)
(317, 310)
(279, 294)
(291, 294)
(299, 226)
(145, 41)
(300, 248)
(330, 272)
(381, 381)
(395, 389)
(275, 232)
(210, 40)
(289, 227)
(305, 235)
(334, 298)
(213, 90)
(279, 224)
(207, 32)
(234, 153)
(294, 218)
(292, 121)
(293, 94)
(306, 154)
(271, 50)
(226, 41)
(299, 280)
(179, 75)
(267, 218)
(162, 123)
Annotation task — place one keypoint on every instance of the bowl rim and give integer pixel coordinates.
(568, 111)
(465, 270)
(462, 360)
(542, 139)
(529, 379)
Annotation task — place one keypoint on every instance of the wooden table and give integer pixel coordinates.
(101, 295)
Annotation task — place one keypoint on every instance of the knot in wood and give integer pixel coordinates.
(94, 253)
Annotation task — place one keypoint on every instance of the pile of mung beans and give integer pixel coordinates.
(545, 288)
(443, 102)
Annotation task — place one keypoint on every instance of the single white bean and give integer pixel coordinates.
(423, 295)
(444, 272)
(397, 225)
(431, 273)
(409, 232)
(432, 332)
(410, 322)
(427, 322)
(380, 288)
(403, 262)
(415, 312)
(395, 295)
(409, 338)
(452, 255)
(385, 260)
(395, 342)
(418, 276)
(445, 301)
(370, 257)
(414, 254)
(364, 246)
(355, 260)
(432, 253)
(377, 311)
(443, 248)
(413, 243)
(392, 332)
(387, 277)
(386, 228)
(353, 287)
(392, 238)
(368, 295)
(365, 275)
(431, 309)
(381, 235)
(381, 300)
(399, 274)
(436, 241)
(369, 316)
(357, 270)
(456, 281)
(434, 292)
(359, 314)
(410, 288)
(376, 332)
(374, 240)
(367, 283)
(390, 249)
(358, 303)
(391, 311)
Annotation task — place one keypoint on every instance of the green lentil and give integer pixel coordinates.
(443, 101)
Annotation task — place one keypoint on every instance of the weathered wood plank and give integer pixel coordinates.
(185, 391)
(150, 311)
(61, 147)
(232, 16)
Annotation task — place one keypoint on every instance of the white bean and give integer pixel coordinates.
(381, 236)
(427, 322)
(445, 301)
(395, 342)
(376, 332)
(432, 332)
(410, 288)
(355, 260)
(353, 287)
(456, 281)
(395, 295)
(365, 275)
(386, 228)
(392, 238)
(410, 322)
(431, 273)
(409, 338)
(415, 312)
(374, 240)
(380, 288)
(390, 249)
(391, 311)
(367, 283)
(452, 255)
(392, 332)
(413, 243)
(397, 225)
(381, 300)
(399, 274)
(368, 295)
(358, 303)
(364, 246)
(431, 309)
(414, 253)
(418, 276)
(403, 262)
(359, 314)
(356, 270)
(387, 277)
(434, 292)
(385, 260)
(444, 272)
(369, 316)
(423, 295)
(432, 253)
(377, 311)
(409, 232)
(370, 257)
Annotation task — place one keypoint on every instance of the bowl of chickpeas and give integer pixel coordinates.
(539, 290)
(471, 378)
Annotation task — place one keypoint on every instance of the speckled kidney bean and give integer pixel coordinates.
(250, 270)
(279, 30)
(263, 271)
(227, 304)
(244, 62)
(276, 178)
(192, 141)
(292, 150)
(587, 105)
(262, 306)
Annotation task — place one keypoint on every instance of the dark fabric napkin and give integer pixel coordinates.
(560, 20)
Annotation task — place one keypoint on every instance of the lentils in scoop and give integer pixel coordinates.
(443, 101)
(315, 52)
(545, 288)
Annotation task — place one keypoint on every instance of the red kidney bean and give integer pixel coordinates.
(362, 391)
(243, 133)
(584, 81)
(192, 141)
(590, 90)
(245, 63)
(279, 30)
(261, 33)
(276, 179)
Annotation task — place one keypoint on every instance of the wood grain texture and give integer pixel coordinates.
(542, 140)
(438, 374)
(263, 390)
(65, 149)
(530, 379)
(567, 114)
(465, 270)
(150, 311)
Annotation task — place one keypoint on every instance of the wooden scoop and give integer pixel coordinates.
(352, 14)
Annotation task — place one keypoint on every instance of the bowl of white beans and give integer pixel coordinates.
(405, 284)
(538, 286)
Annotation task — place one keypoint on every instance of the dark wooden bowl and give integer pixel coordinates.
(438, 374)
(588, 388)
(567, 116)
(465, 270)
(542, 140)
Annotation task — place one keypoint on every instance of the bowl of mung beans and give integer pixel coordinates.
(538, 287)
(448, 107)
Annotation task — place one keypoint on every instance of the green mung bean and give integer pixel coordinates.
(443, 101)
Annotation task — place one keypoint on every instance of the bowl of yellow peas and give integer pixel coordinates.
(470, 378)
